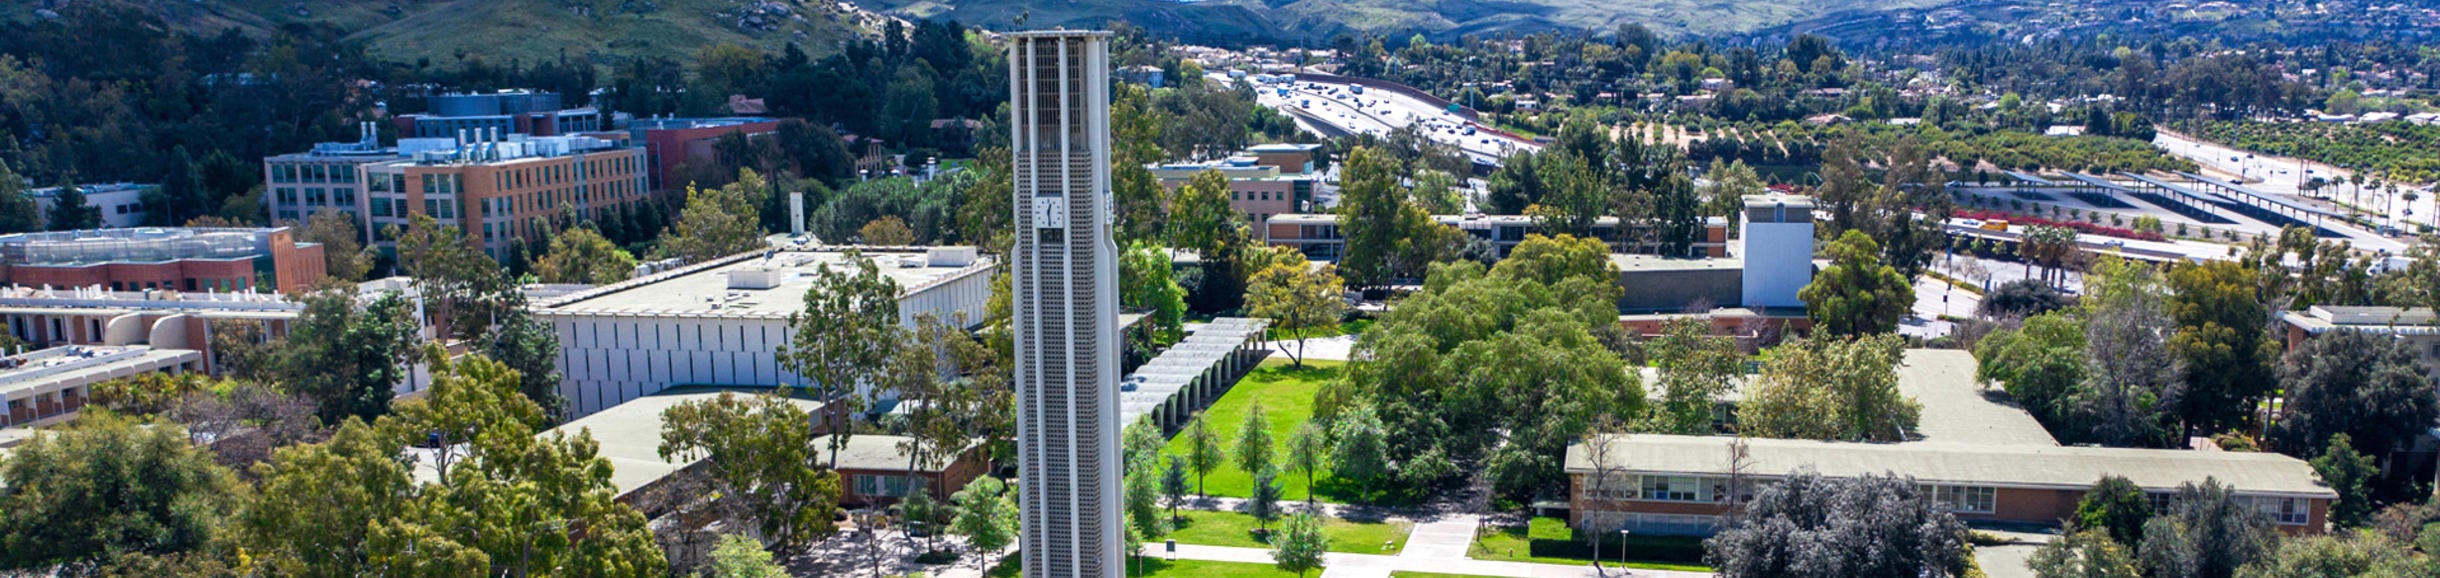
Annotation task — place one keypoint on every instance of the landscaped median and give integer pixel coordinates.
(1550, 541)
(1234, 529)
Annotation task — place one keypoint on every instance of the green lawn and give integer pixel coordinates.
(1287, 400)
(1235, 529)
(1155, 567)
(1550, 541)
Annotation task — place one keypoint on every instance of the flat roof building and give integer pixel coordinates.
(2414, 325)
(121, 204)
(874, 472)
(506, 111)
(195, 260)
(722, 322)
(500, 189)
(673, 142)
(49, 386)
(1980, 459)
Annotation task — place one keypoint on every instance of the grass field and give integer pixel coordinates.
(1235, 529)
(1550, 541)
(1155, 567)
(1287, 400)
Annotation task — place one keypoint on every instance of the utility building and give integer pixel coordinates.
(1064, 271)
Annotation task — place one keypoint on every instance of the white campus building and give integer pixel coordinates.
(722, 322)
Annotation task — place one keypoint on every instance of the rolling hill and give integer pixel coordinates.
(497, 31)
(1229, 22)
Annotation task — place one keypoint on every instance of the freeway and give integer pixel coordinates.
(1341, 109)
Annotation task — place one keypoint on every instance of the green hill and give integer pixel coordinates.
(1244, 21)
(496, 31)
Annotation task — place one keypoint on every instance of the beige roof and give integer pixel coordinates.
(630, 436)
(1988, 465)
(871, 452)
(1955, 409)
(706, 291)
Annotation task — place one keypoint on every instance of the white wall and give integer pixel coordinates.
(608, 359)
(1778, 262)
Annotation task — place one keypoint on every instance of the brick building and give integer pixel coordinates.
(496, 190)
(1980, 459)
(195, 260)
(673, 142)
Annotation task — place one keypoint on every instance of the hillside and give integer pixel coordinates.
(1246, 21)
(497, 31)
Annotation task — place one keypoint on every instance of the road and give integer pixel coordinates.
(1378, 112)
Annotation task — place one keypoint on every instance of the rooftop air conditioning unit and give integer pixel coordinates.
(950, 256)
(756, 278)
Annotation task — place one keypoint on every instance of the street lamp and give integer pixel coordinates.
(1622, 550)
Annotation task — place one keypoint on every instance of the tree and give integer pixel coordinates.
(2085, 553)
(1856, 294)
(1173, 485)
(1200, 219)
(530, 347)
(18, 212)
(1361, 454)
(583, 255)
(1697, 368)
(2116, 507)
(1308, 453)
(1263, 504)
(1135, 137)
(1148, 281)
(758, 455)
(2367, 387)
(2040, 364)
(842, 339)
(107, 485)
(2023, 298)
(318, 501)
(1297, 298)
(2222, 341)
(2361, 553)
(718, 222)
(986, 516)
(889, 230)
(2205, 534)
(1577, 194)
(343, 254)
(1300, 545)
(1438, 192)
(1680, 214)
(1388, 235)
(1826, 388)
(740, 556)
(2126, 322)
(70, 211)
(1203, 452)
(1869, 526)
(463, 404)
(346, 357)
(1254, 451)
(1143, 503)
(2347, 472)
(463, 290)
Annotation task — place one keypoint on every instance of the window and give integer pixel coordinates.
(887, 486)
(381, 207)
(1963, 499)
(1679, 488)
(2279, 510)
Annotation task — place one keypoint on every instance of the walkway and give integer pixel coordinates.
(1438, 546)
(1192, 373)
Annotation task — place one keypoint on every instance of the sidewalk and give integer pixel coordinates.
(1437, 546)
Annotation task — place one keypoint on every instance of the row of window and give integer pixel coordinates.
(1951, 498)
(888, 486)
(315, 197)
(313, 173)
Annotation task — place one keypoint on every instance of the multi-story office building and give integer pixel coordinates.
(504, 112)
(1255, 189)
(121, 204)
(499, 190)
(1064, 275)
(328, 178)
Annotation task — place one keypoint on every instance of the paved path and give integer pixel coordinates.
(1336, 347)
(1439, 545)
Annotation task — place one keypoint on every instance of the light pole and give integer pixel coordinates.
(1622, 551)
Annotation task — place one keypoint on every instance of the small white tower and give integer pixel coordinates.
(1778, 255)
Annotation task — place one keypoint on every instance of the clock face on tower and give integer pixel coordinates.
(1050, 212)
